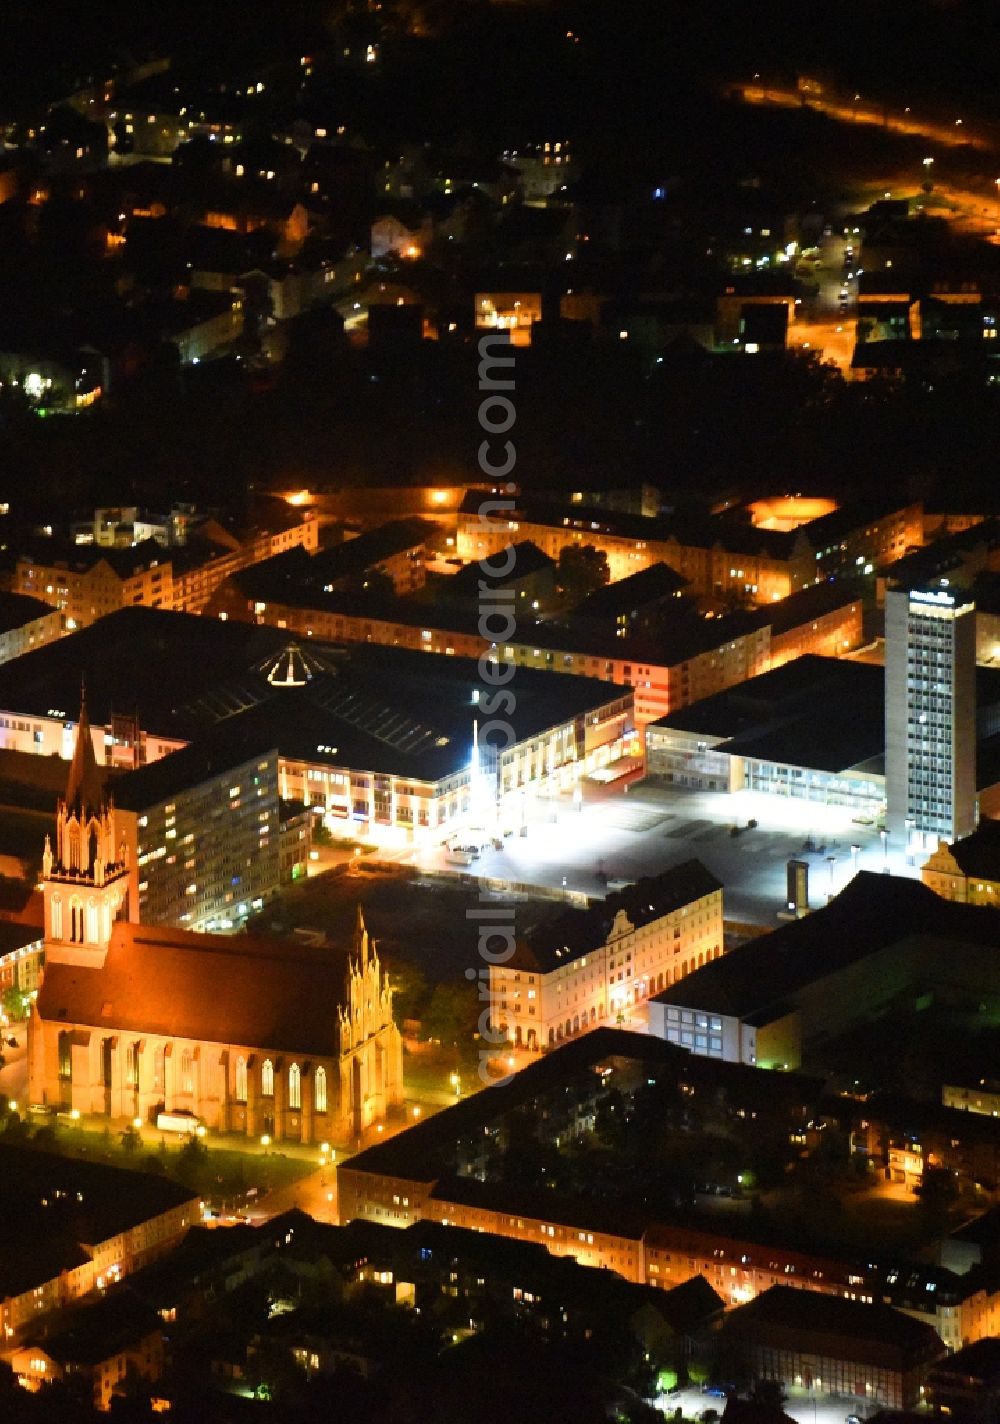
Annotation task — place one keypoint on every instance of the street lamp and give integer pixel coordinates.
(928, 162)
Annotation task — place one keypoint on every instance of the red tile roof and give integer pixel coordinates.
(216, 988)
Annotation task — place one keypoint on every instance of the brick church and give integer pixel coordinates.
(252, 1036)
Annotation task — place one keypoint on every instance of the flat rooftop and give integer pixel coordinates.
(378, 708)
(872, 912)
(824, 713)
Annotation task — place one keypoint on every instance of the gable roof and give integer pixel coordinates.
(566, 936)
(876, 1334)
(979, 854)
(263, 994)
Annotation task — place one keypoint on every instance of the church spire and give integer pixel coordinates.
(360, 937)
(85, 785)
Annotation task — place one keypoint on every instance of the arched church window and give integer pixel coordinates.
(294, 1086)
(319, 1090)
(187, 1072)
(132, 1066)
(267, 1078)
(241, 1079)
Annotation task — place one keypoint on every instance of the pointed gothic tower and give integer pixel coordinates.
(371, 1050)
(85, 877)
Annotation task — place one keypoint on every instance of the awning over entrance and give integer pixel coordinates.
(615, 770)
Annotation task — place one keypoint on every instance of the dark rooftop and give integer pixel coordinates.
(51, 1207)
(96, 1332)
(648, 587)
(818, 712)
(979, 1362)
(526, 558)
(979, 853)
(875, 1334)
(871, 913)
(16, 609)
(423, 1151)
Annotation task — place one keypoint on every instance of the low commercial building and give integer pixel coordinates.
(835, 1346)
(348, 744)
(879, 940)
(812, 730)
(69, 1226)
(585, 968)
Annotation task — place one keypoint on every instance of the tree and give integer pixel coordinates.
(192, 1161)
(131, 1140)
(452, 1013)
(409, 989)
(937, 1192)
(14, 1003)
(769, 1392)
(582, 570)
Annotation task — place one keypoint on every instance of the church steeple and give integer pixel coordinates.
(361, 941)
(85, 784)
(85, 876)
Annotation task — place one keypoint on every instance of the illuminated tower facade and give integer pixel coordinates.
(930, 715)
(85, 874)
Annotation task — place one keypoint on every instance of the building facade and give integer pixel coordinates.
(587, 968)
(249, 1037)
(203, 833)
(930, 715)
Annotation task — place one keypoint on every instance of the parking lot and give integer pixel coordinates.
(804, 1406)
(623, 834)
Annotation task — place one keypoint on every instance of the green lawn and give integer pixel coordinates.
(216, 1168)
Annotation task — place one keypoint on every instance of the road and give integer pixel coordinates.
(863, 109)
(824, 321)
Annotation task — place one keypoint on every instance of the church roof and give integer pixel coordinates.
(254, 993)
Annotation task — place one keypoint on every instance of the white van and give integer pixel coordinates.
(461, 857)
